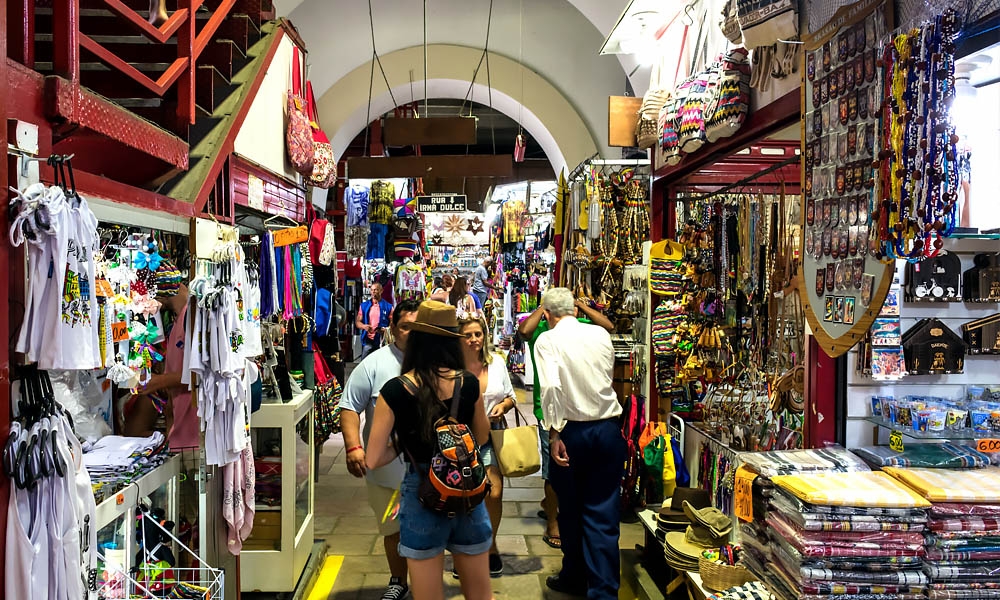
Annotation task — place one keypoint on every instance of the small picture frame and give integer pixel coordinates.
(849, 310)
(830, 309)
(886, 332)
(867, 288)
(838, 309)
(890, 308)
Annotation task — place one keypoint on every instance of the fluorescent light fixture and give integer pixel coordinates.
(635, 31)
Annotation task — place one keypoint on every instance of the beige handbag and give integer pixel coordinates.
(516, 448)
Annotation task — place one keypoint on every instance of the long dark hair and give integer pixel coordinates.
(459, 290)
(427, 355)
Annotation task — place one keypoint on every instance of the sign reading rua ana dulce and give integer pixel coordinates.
(442, 203)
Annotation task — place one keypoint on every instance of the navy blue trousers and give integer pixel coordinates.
(589, 492)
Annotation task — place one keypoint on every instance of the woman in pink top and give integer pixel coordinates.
(182, 417)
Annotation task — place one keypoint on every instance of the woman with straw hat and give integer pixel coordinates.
(433, 368)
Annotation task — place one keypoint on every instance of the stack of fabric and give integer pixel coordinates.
(963, 538)
(851, 535)
(761, 467)
(114, 461)
(934, 456)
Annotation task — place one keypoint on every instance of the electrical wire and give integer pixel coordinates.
(371, 22)
(482, 57)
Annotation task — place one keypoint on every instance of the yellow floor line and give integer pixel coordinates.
(327, 577)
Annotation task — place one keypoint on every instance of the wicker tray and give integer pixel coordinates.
(722, 577)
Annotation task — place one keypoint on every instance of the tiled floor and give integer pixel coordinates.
(345, 521)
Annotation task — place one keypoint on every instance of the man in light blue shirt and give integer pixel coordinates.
(360, 395)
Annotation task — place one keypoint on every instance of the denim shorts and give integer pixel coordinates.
(487, 455)
(425, 534)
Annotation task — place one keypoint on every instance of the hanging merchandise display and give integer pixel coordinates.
(298, 134)
(844, 178)
(324, 170)
(216, 350)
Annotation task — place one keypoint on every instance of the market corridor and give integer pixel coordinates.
(344, 520)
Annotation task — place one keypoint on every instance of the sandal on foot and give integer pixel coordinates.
(553, 541)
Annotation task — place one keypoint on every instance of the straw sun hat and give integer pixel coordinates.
(436, 318)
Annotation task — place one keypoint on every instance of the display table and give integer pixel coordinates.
(278, 548)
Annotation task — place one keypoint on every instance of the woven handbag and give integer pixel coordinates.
(731, 101)
(298, 135)
(324, 171)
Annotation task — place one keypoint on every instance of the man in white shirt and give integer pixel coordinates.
(360, 394)
(575, 369)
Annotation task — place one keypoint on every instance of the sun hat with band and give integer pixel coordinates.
(436, 318)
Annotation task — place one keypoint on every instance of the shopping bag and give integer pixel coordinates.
(652, 456)
(653, 430)
(324, 171)
(298, 136)
(516, 448)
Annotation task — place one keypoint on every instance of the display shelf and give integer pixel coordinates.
(944, 436)
(277, 550)
(126, 499)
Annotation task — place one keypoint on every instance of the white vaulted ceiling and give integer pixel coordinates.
(558, 50)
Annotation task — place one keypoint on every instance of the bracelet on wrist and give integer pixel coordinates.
(349, 450)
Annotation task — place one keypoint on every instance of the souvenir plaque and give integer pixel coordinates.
(839, 73)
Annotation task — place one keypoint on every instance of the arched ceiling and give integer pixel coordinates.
(560, 43)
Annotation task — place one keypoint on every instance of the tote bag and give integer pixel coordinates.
(516, 448)
(324, 171)
(298, 136)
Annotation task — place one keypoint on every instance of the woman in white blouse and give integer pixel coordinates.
(498, 398)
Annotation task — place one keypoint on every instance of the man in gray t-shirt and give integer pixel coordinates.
(360, 394)
(480, 281)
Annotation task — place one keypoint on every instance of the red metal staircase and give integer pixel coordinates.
(115, 84)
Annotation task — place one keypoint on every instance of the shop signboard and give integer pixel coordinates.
(442, 203)
(842, 282)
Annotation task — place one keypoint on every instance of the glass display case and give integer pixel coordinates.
(278, 548)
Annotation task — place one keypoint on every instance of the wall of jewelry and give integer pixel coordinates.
(727, 337)
(607, 221)
(880, 168)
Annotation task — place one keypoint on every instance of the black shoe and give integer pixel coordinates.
(556, 583)
(397, 590)
(496, 565)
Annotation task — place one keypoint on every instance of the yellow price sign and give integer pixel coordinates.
(743, 494)
(896, 441)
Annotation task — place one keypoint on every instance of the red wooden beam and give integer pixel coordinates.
(158, 87)
(208, 30)
(21, 36)
(97, 186)
(66, 47)
(79, 106)
(5, 263)
(186, 84)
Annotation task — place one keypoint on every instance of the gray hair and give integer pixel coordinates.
(558, 301)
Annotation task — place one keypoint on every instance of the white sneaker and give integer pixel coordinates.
(396, 590)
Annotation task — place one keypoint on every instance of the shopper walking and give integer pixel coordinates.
(360, 396)
(575, 368)
(498, 399)
(433, 367)
(441, 292)
(462, 300)
(373, 318)
(530, 329)
(481, 285)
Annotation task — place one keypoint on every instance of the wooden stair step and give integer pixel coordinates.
(235, 28)
(211, 88)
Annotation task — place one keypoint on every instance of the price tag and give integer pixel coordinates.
(120, 499)
(292, 235)
(988, 446)
(119, 331)
(896, 441)
(103, 288)
(743, 494)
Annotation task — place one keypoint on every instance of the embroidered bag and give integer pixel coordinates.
(456, 481)
(298, 136)
(324, 171)
(669, 125)
(326, 398)
(731, 100)
(317, 233)
(691, 133)
(328, 250)
(766, 22)
(632, 426)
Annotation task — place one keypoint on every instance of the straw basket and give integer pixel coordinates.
(722, 577)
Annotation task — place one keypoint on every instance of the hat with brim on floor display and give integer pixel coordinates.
(673, 517)
(679, 553)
